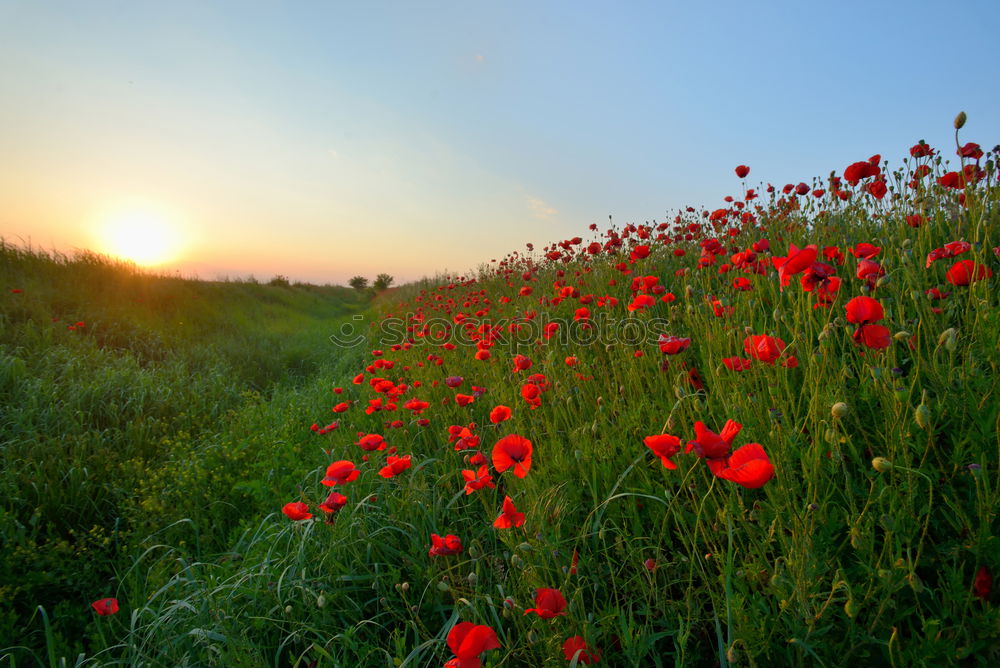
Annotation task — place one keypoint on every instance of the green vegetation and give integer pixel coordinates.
(862, 531)
(138, 409)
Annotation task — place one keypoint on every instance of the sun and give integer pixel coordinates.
(142, 236)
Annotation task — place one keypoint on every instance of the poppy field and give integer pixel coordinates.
(761, 433)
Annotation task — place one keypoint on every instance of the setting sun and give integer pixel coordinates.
(142, 236)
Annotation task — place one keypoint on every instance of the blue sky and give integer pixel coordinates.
(325, 139)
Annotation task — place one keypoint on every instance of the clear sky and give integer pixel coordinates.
(326, 139)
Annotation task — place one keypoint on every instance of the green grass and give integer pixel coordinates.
(176, 405)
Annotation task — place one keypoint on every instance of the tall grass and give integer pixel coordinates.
(173, 403)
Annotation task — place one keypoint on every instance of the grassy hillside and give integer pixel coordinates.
(763, 434)
(131, 402)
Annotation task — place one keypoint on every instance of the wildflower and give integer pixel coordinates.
(748, 466)
(296, 510)
(476, 480)
(500, 414)
(576, 647)
(672, 345)
(334, 502)
(394, 466)
(965, 272)
(509, 517)
(549, 603)
(106, 607)
(467, 641)
(664, 446)
(981, 586)
(708, 444)
(370, 442)
(446, 546)
(742, 171)
(340, 473)
(861, 310)
(514, 452)
(873, 336)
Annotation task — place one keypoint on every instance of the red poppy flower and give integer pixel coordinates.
(982, 585)
(971, 150)
(532, 394)
(476, 480)
(576, 647)
(872, 336)
(877, 189)
(442, 547)
(105, 607)
(549, 603)
(340, 473)
(296, 510)
(664, 446)
(500, 414)
(767, 349)
(464, 399)
(861, 310)
(736, 363)
(860, 170)
(512, 451)
(521, 363)
(748, 466)
(509, 517)
(416, 405)
(394, 466)
(964, 272)
(708, 444)
(334, 502)
(797, 260)
(467, 641)
(742, 171)
(672, 345)
(341, 407)
(642, 302)
(865, 250)
(370, 442)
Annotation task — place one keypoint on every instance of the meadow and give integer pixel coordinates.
(760, 434)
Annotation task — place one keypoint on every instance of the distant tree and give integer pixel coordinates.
(359, 283)
(382, 281)
(279, 281)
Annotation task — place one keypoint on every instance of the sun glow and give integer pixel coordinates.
(142, 236)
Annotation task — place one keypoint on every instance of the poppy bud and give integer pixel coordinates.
(882, 282)
(288, 609)
(949, 339)
(473, 579)
(525, 547)
(443, 586)
(960, 120)
(839, 409)
(922, 416)
(405, 586)
(516, 561)
(731, 653)
(902, 335)
(851, 607)
(321, 601)
(881, 464)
